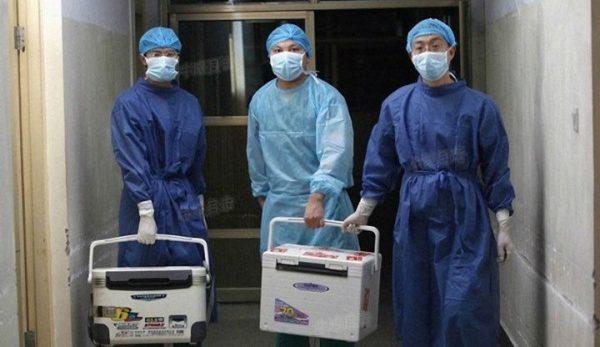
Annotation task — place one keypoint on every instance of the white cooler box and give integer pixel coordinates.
(148, 304)
(317, 291)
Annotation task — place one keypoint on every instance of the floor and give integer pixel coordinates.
(238, 326)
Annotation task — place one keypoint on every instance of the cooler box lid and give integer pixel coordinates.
(323, 260)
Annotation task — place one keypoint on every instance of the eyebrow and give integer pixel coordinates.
(423, 40)
(293, 45)
(163, 50)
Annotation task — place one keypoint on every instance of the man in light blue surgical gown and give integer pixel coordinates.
(300, 152)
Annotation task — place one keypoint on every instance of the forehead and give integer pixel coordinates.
(429, 39)
(286, 44)
(162, 50)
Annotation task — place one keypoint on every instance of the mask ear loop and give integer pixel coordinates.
(453, 76)
(146, 67)
(313, 74)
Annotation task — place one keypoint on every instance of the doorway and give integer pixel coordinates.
(359, 49)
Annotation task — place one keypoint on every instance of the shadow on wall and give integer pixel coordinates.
(539, 214)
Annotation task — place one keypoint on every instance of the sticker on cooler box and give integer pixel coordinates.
(154, 323)
(126, 326)
(286, 313)
(311, 287)
(122, 314)
(358, 256)
(320, 254)
(365, 303)
(148, 297)
(148, 333)
(178, 321)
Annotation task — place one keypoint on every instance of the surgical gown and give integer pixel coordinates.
(445, 275)
(159, 143)
(300, 141)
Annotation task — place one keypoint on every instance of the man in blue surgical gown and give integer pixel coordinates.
(300, 151)
(159, 143)
(436, 134)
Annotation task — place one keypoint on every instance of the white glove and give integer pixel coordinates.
(147, 227)
(360, 216)
(504, 243)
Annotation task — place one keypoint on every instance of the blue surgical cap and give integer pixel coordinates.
(159, 37)
(430, 27)
(289, 32)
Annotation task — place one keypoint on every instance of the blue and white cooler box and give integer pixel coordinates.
(323, 292)
(146, 305)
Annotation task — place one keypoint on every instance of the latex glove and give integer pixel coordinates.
(504, 243)
(147, 228)
(360, 216)
(314, 216)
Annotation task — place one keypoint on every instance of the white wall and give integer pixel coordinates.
(9, 321)
(538, 69)
(97, 66)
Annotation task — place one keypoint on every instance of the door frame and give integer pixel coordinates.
(26, 304)
(310, 5)
(40, 174)
(595, 14)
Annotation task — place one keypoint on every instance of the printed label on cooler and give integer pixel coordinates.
(286, 313)
(178, 321)
(320, 254)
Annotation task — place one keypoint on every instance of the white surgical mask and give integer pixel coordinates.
(287, 65)
(161, 69)
(431, 65)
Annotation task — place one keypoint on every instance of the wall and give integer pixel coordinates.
(476, 44)
(538, 69)
(97, 67)
(9, 321)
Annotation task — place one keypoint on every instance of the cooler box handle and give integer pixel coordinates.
(165, 237)
(331, 223)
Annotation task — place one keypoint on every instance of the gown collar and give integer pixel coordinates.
(294, 89)
(159, 90)
(441, 90)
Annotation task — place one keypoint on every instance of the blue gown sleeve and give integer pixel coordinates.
(196, 175)
(335, 148)
(493, 153)
(130, 153)
(382, 167)
(256, 163)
